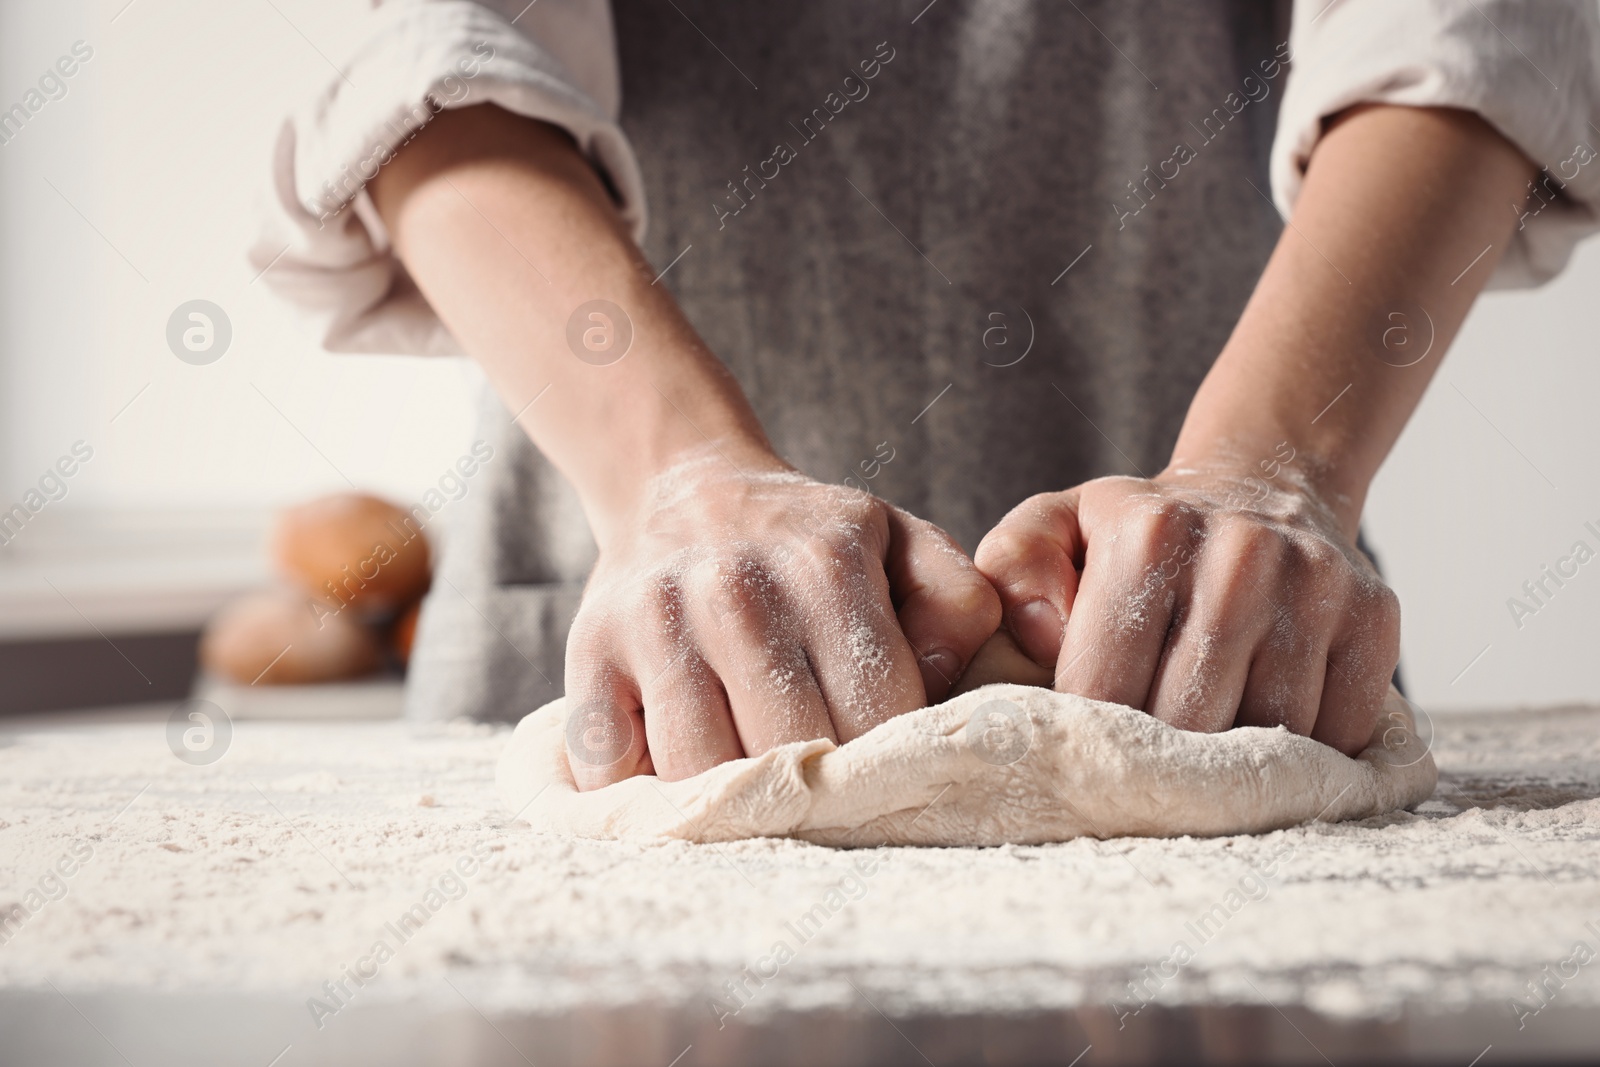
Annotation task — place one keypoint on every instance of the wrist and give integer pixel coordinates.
(671, 468)
(1254, 471)
(670, 403)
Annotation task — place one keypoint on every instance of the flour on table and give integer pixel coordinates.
(999, 764)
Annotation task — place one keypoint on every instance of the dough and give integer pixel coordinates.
(996, 764)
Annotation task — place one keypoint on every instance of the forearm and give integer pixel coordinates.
(1397, 203)
(507, 230)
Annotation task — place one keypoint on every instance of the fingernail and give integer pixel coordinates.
(939, 670)
(1038, 628)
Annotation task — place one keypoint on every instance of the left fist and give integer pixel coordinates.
(1208, 599)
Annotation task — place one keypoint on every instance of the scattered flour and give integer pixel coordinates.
(304, 839)
(271, 870)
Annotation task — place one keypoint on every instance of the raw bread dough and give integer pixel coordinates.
(1000, 763)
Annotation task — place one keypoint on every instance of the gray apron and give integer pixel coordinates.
(985, 272)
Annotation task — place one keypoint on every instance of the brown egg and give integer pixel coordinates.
(279, 637)
(404, 633)
(353, 549)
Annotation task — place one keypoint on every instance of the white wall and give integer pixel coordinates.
(162, 143)
(1463, 513)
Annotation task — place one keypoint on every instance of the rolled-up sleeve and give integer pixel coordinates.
(322, 245)
(1531, 68)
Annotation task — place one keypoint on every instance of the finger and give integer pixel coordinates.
(750, 643)
(1361, 661)
(861, 660)
(1287, 675)
(1217, 633)
(605, 733)
(946, 608)
(1031, 558)
(1127, 595)
(1201, 675)
(687, 720)
(1000, 660)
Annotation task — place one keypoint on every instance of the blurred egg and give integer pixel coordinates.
(280, 637)
(353, 549)
(404, 633)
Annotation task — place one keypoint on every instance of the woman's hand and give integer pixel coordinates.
(743, 607)
(1227, 589)
(736, 605)
(1209, 598)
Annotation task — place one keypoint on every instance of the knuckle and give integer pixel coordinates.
(1380, 608)
(590, 633)
(1011, 547)
(1029, 535)
(1320, 555)
(660, 599)
(1039, 507)
(837, 545)
(1258, 546)
(734, 590)
(1110, 487)
(1148, 526)
(847, 536)
(1248, 558)
(1163, 524)
(851, 514)
(1388, 605)
(824, 551)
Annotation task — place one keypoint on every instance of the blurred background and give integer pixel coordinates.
(133, 193)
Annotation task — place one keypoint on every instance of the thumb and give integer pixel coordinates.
(1031, 556)
(946, 608)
